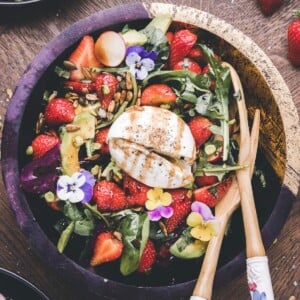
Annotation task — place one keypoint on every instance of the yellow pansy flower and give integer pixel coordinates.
(201, 229)
(156, 198)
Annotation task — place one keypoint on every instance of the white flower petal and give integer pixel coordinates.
(76, 196)
(141, 73)
(148, 63)
(64, 181)
(132, 58)
(63, 194)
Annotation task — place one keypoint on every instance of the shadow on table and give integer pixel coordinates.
(21, 12)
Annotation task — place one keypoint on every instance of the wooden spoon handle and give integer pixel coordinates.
(204, 285)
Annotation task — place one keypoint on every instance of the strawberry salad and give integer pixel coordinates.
(136, 146)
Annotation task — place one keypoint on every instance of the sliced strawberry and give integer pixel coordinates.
(42, 144)
(181, 45)
(109, 196)
(107, 248)
(181, 207)
(148, 258)
(136, 191)
(59, 111)
(106, 87)
(83, 57)
(157, 94)
(170, 36)
(199, 127)
(211, 195)
(206, 180)
(80, 87)
(188, 64)
(101, 138)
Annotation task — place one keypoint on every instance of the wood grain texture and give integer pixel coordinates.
(24, 32)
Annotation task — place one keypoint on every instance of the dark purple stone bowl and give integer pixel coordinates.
(277, 155)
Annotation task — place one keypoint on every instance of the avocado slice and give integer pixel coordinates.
(192, 250)
(69, 149)
(161, 22)
(133, 37)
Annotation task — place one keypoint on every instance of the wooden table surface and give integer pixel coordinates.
(23, 32)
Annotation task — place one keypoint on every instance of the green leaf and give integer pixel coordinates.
(135, 232)
(220, 108)
(84, 227)
(65, 237)
(71, 211)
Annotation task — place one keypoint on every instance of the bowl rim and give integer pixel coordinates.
(24, 282)
(97, 21)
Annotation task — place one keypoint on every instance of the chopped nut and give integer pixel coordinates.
(92, 158)
(123, 96)
(91, 97)
(128, 81)
(163, 228)
(111, 106)
(52, 96)
(69, 65)
(129, 95)
(72, 127)
(118, 235)
(102, 113)
(117, 96)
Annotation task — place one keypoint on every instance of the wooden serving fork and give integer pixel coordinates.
(258, 274)
(223, 211)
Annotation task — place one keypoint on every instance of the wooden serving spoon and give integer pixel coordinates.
(258, 274)
(223, 211)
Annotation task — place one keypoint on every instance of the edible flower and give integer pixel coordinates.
(158, 204)
(140, 61)
(203, 223)
(76, 188)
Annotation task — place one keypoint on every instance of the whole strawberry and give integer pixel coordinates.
(135, 191)
(106, 86)
(59, 111)
(148, 258)
(109, 196)
(268, 7)
(182, 43)
(294, 41)
(42, 144)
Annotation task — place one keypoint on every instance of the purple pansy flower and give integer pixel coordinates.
(203, 210)
(158, 204)
(140, 61)
(76, 188)
(160, 212)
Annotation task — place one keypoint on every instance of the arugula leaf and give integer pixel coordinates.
(135, 232)
(65, 237)
(219, 108)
